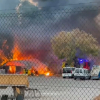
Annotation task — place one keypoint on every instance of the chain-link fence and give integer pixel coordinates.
(51, 54)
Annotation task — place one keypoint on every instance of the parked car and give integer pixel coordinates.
(68, 72)
(95, 72)
(81, 73)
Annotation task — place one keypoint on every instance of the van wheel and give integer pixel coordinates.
(97, 79)
(74, 78)
(84, 78)
(89, 77)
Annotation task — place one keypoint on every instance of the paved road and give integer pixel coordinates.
(57, 88)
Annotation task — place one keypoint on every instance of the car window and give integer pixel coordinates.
(68, 70)
(80, 70)
(89, 71)
(85, 71)
(64, 70)
(73, 69)
(77, 71)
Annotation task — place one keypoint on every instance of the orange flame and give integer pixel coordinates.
(12, 69)
(47, 74)
(18, 55)
(16, 51)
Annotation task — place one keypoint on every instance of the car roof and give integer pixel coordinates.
(69, 67)
(81, 68)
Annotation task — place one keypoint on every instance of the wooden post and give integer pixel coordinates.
(15, 92)
(19, 90)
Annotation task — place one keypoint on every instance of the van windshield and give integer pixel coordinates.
(77, 71)
(68, 70)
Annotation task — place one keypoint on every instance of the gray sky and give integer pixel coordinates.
(11, 4)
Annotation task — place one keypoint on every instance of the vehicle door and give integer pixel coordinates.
(81, 72)
(73, 71)
(77, 72)
(86, 73)
(69, 72)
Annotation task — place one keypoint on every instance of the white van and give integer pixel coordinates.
(68, 72)
(81, 73)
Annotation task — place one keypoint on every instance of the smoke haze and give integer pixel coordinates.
(35, 27)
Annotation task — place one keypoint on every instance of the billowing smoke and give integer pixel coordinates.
(42, 24)
(36, 22)
(6, 46)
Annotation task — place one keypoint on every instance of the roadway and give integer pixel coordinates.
(57, 88)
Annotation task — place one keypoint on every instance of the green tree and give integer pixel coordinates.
(66, 44)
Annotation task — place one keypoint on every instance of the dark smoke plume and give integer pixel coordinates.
(38, 24)
(6, 45)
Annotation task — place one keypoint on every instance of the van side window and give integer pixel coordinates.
(64, 70)
(80, 71)
(86, 71)
(89, 71)
(77, 71)
(73, 69)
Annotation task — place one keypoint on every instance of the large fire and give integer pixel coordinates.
(16, 52)
(47, 74)
(39, 67)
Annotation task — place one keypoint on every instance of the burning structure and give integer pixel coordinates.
(19, 61)
(34, 65)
